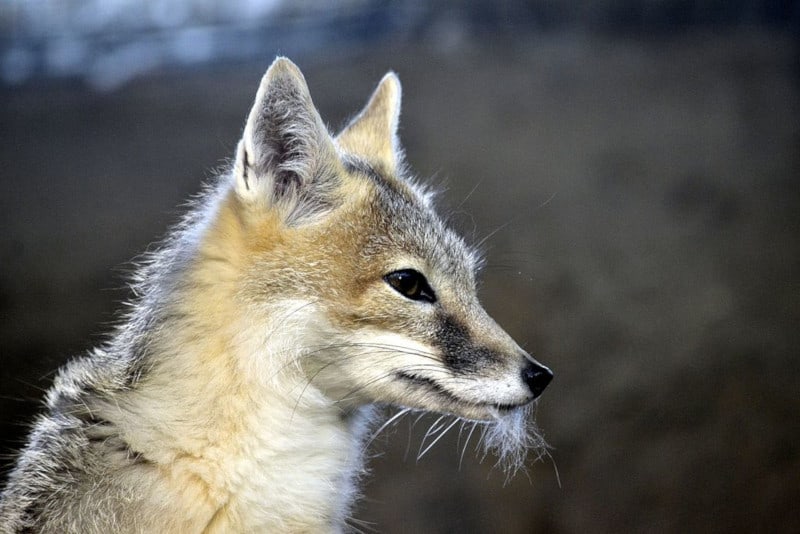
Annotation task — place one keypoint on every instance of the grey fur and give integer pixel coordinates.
(81, 472)
(68, 467)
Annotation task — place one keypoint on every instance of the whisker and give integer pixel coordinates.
(491, 234)
(471, 192)
(367, 526)
(435, 427)
(508, 437)
(396, 417)
(555, 467)
(466, 443)
(442, 433)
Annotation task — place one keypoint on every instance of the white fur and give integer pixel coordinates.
(223, 405)
(288, 460)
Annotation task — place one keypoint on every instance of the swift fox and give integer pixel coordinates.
(309, 284)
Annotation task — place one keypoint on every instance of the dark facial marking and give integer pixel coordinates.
(426, 382)
(359, 166)
(461, 353)
(355, 165)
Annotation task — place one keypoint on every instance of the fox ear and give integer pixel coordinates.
(286, 156)
(372, 134)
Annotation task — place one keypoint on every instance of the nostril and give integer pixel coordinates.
(536, 377)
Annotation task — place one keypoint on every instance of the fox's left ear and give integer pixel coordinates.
(372, 134)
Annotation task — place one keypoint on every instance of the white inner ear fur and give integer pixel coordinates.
(248, 186)
(286, 148)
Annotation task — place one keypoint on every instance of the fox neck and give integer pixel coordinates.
(269, 450)
(226, 406)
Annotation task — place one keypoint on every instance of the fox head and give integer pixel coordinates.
(334, 230)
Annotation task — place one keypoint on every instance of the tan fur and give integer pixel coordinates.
(367, 134)
(236, 396)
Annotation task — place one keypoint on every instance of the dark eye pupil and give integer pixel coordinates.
(406, 283)
(411, 284)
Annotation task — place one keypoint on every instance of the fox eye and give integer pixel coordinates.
(411, 284)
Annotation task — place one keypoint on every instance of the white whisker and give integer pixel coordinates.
(435, 440)
(466, 443)
(396, 417)
(555, 467)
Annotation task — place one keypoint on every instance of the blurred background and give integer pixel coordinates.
(636, 162)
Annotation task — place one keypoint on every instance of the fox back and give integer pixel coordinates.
(309, 284)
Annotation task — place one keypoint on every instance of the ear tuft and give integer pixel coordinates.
(372, 134)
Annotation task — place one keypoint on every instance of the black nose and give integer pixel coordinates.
(537, 377)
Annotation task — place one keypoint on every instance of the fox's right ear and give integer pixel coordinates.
(286, 157)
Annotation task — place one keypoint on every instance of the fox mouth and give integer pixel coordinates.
(430, 384)
(506, 430)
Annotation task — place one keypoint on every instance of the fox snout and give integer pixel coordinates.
(537, 377)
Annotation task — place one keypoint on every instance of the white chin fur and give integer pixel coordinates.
(510, 436)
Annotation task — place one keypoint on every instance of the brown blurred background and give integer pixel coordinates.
(638, 161)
